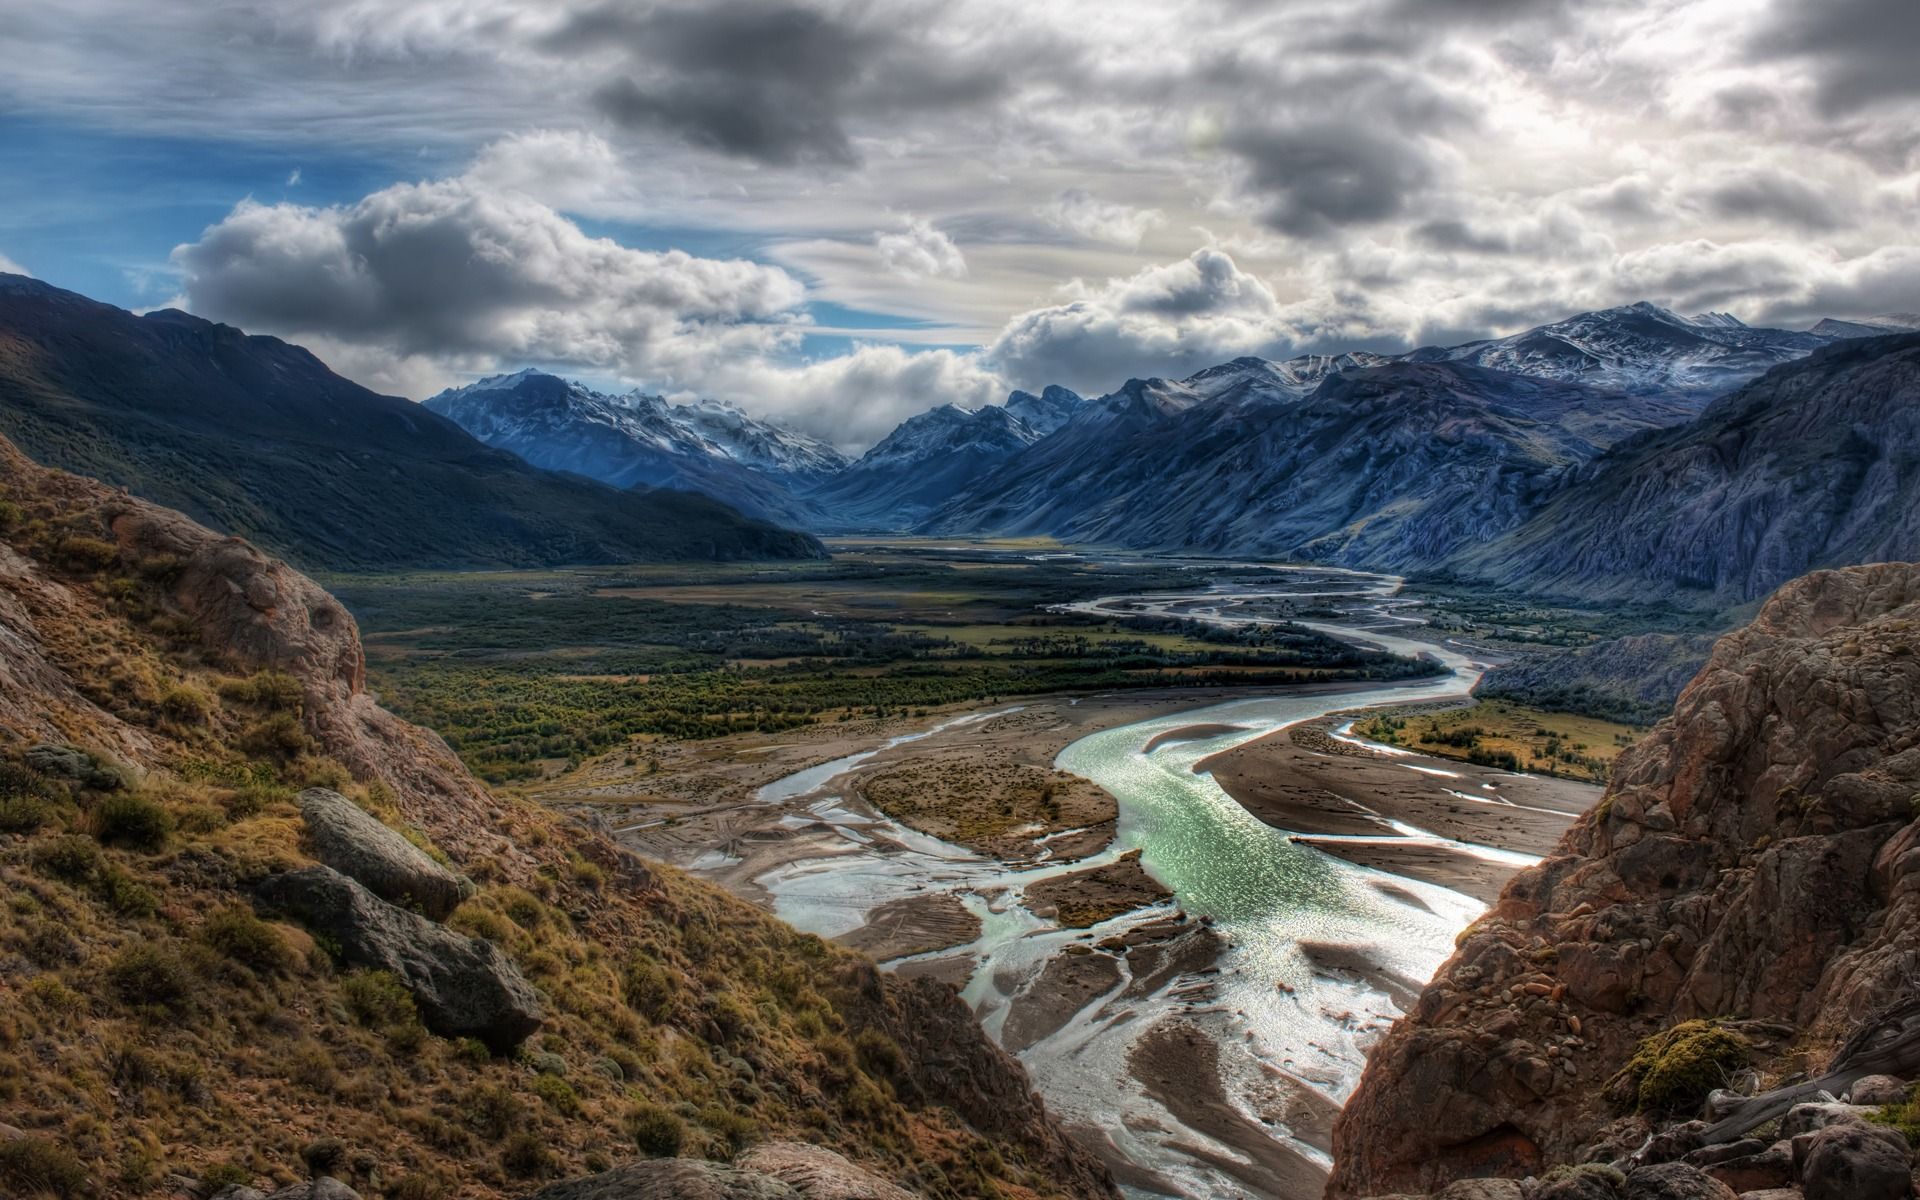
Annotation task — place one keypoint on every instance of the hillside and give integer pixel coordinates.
(1633, 679)
(1812, 465)
(472, 996)
(256, 437)
(1741, 898)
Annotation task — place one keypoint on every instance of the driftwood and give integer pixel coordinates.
(1887, 1043)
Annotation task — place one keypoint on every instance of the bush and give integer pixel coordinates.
(123, 893)
(734, 1131)
(1673, 1070)
(525, 1156)
(246, 939)
(494, 1111)
(132, 819)
(279, 736)
(23, 814)
(71, 858)
(269, 689)
(32, 1166)
(187, 705)
(79, 553)
(377, 999)
(558, 1094)
(648, 989)
(656, 1130)
(152, 975)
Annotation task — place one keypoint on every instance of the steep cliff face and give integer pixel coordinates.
(1757, 857)
(164, 694)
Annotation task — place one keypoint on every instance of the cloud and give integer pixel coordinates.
(10, 267)
(1171, 318)
(920, 250)
(1774, 197)
(855, 399)
(452, 268)
(1080, 211)
(1861, 52)
(774, 81)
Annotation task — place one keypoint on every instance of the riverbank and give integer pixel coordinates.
(1453, 824)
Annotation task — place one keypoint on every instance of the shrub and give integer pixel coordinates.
(558, 1094)
(494, 1111)
(269, 689)
(525, 1156)
(278, 736)
(1673, 1070)
(72, 858)
(879, 1054)
(11, 515)
(417, 1187)
(131, 819)
(80, 553)
(246, 939)
(33, 1166)
(377, 999)
(648, 988)
(152, 975)
(656, 1130)
(324, 1156)
(23, 814)
(123, 893)
(225, 1175)
(734, 1131)
(186, 705)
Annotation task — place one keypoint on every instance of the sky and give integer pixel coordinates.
(841, 213)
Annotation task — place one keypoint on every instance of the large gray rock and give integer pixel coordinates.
(1857, 1162)
(1879, 1089)
(1589, 1182)
(1482, 1189)
(1675, 1181)
(1805, 1118)
(818, 1173)
(463, 986)
(323, 1188)
(671, 1179)
(353, 842)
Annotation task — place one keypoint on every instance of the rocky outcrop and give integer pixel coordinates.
(353, 842)
(463, 986)
(818, 1173)
(1756, 857)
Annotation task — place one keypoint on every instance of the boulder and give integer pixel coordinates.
(239, 1191)
(818, 1173)
(1857, 1162)
(1879, 1089)
(1772, 1194)
(464, 986)
(1771, 1167)
(1675, 1181)
(671, 1179)
(1806, 1118)
(323, 1188)
(353, 842)
(76, 765)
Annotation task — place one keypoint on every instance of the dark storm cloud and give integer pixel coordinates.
(774, 81)
(1313, 177)
(1861, 51)
(1774, 197)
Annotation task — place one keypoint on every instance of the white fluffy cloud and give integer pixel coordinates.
(856, 398)
(920, 250)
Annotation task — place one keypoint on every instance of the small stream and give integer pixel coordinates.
(1264, 894)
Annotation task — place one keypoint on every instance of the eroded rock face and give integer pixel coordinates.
(463, 986)
(353, 842)
(1756, 856)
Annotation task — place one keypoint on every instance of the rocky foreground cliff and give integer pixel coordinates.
(1744, 898)
(263, 936)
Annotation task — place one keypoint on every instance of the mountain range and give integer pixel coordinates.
(256, 437)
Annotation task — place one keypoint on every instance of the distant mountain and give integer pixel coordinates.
(923, 462)
(638, 440)
(1046, 412)
(1638, 348)
(1817, 463)
(1393, 466)
(1868, 326)
(256, 437)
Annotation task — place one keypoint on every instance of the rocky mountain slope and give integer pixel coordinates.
(1741, 899)
(260, 929)
(1868, 326)
(1392, 467)
(638, 440)
(258, 438)
(1811, 465)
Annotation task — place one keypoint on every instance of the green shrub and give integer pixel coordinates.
(734, 1131)
(152, 975)
(131, 819)
(275, 690)
(186, 705)
(879, 1054)
(32, 1166)
(239, 935)
(23, 814)
(79, 553)
(1673, 1070)
(278, 736)
(71, 858)
(494, 1111)
(656, 1130)
(525, 1156)
(377, 999)
(417, 1187)
(558, 1094)
(11, 515)
(225, 1175)
(123, 893)
(648, 988)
